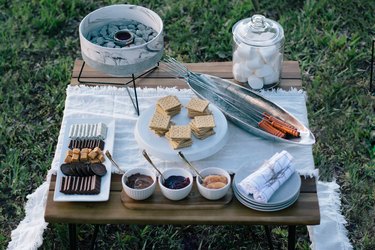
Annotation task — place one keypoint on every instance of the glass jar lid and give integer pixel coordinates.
(258, 30)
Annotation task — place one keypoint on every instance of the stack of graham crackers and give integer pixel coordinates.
(179, 136)
(160, 123)
(203, 126)
(197, 107)
(169, 105)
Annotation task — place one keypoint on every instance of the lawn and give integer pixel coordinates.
(331, 40)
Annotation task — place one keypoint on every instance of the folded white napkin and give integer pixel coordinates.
(268, 178)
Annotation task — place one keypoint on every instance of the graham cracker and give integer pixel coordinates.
(193, 114)
(199, 131)
(206, 121)
(159, 121)
(171, 112)
(205, 135)
(196, 104)
(181, 132)
(181, 144)
(202, 126)
(168, 103)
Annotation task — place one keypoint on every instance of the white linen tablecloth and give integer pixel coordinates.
(242, 147)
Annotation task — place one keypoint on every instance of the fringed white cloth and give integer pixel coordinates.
(331, 233)
(84, 101)
(29, 233)
(265, 181)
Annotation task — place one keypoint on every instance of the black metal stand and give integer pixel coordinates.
(94, 236)
(134, 102)
(268, 235)
(72, 236)
(291, 237)
(372, 90)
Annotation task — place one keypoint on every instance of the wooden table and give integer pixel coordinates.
(304, 212)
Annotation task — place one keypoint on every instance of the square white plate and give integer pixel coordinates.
(106, 179)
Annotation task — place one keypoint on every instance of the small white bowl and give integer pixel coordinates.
(213, 194)
(139, 194)
(176, 194)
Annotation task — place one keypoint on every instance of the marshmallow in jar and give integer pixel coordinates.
(258, 51)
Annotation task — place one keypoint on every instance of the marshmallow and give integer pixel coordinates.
(237, 60)
(242, 51)
(276, 62)
(272, 78)
(266, 70)
(268, 53)
(237, 56)
(254, 62)
(255, 82)
(240, 72)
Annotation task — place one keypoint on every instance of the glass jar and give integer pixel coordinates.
(258, 52)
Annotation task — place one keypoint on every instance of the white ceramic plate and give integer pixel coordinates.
(106, 179)
(159, 146)
(266, 209)
(264, 206)
(284, 193)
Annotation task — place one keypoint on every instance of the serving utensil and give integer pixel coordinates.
(109, 156)
(244, 107)
(182, 156)
(144, 153)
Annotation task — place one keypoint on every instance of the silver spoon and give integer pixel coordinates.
(190, 165)
(109, 156)
(152, 164)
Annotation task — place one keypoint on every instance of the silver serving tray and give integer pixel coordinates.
(239, 103)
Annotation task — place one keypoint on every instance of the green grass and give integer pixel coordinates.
(330, 39)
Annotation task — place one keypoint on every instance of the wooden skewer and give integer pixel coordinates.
(287, 130)
(274, 119)
(282, 125)
(265, 125)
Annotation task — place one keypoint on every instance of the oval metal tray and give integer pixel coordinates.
(237, 102)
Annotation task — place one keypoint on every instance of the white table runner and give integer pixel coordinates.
(242, 147)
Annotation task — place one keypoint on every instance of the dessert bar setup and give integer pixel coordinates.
(214, 150)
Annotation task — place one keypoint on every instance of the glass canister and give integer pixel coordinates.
(258, 52)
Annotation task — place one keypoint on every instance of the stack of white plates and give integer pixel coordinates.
(284, 196)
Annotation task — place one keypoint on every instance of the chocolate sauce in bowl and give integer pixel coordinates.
(139, 181)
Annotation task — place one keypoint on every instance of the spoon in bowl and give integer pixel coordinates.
(109, 156)
(190, 165)
(152, 164)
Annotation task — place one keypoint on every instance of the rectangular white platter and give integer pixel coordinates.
(106, 179)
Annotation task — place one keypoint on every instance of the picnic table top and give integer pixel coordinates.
(304, 212)
(290, 78)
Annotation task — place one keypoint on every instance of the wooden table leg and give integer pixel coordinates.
(72, 236)
(268, 235)
(291, 237)
(93, 239)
